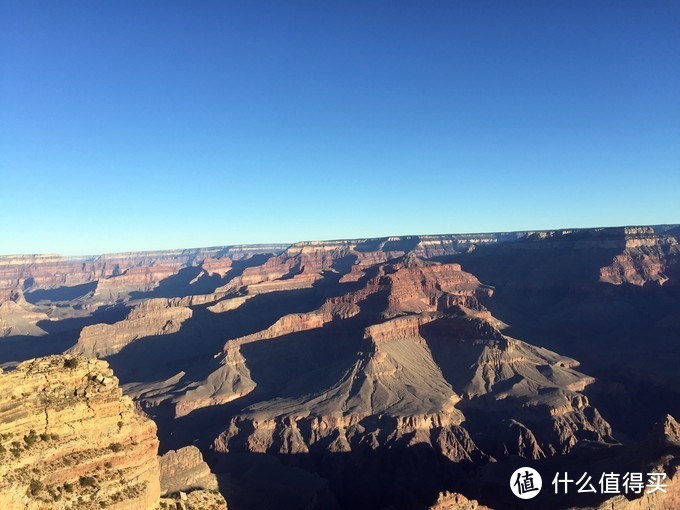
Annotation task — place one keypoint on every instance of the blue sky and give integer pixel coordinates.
(162, 124)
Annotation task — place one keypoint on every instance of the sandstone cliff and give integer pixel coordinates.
(645, 257)
(71, 440)
(152, 317)
(184, 470)
(187, 482)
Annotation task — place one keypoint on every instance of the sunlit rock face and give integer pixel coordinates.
(70, 436)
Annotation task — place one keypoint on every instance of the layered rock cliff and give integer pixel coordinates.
(187, 482)
(71, 440)
(645, 257)
(116, 273)
(184, 470)
(152, 317)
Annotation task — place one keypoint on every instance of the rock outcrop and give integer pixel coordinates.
(187, 482)
(455, 501)
(71, 440)
(152, 317)
(184, 470)
(645, 257)
(17, 317)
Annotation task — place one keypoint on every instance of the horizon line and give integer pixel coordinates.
(286, 245)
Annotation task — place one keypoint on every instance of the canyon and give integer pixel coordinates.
(396, 372)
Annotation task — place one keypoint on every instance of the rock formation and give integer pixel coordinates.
(152, 317)
(645, 257)
(427, 340)
(187, 482)
(17, 317)
(185, 470)
(455, 501)
(139, 271)
(71, 440)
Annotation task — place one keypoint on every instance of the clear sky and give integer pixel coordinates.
(129, 125)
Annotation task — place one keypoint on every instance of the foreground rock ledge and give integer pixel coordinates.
(69, 439)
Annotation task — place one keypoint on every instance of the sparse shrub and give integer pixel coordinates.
(44, 437)
(16, 448)
(120, 425)
(71, 363)
(3, 450)
(35, 487)
(54, 437)
(87, 481)
(108, 464)
(30, 439)
(68, 487)
(116, 447)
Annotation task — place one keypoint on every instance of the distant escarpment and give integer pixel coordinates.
(71, 440)
(578, 258)
(645, 257)
(116, 272)
(634, 255)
